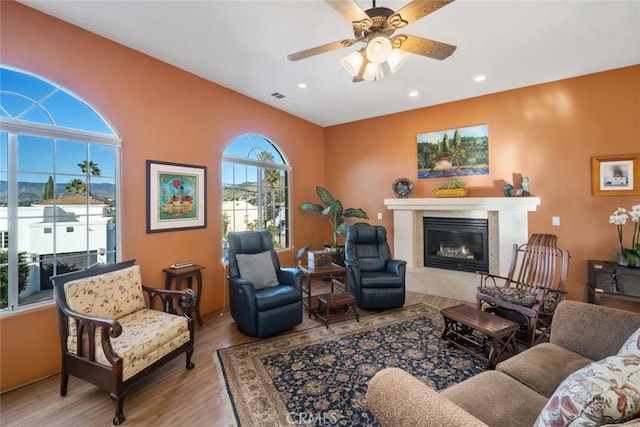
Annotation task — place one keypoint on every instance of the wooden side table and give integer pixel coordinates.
(336, 306)
(178, 275)
(332, 270)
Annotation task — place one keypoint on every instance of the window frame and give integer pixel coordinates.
(14, 128)
(251, 162)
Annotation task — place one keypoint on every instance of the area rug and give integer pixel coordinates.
(320, 376)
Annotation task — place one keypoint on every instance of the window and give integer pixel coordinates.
(58, 189)
(255, 188)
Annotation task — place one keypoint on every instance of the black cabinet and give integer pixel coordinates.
(613, 281)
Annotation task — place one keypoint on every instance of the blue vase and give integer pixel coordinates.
(507, 189)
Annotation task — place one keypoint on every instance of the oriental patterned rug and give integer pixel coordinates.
(320, 376)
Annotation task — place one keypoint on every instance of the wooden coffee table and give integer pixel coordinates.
(462, 320)
(336, 306)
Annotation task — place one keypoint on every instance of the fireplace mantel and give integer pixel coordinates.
(508, 224)
(488, 204)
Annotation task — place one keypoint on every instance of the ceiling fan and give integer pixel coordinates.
(376, 27)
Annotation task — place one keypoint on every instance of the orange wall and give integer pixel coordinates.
(547, 132)
(161, 113)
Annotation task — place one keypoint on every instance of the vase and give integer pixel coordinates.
(620, 259)
(628, 259)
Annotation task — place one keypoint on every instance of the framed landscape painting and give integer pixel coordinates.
(175, 196)
(454, 152)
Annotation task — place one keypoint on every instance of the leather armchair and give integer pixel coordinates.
(268, 310)
(375, 280)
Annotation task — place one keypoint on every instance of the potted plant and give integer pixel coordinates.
(335, 213)
(452, 188)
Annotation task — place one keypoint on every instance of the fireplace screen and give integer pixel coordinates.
(456, 244)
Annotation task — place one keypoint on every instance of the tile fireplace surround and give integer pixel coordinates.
(508, 224)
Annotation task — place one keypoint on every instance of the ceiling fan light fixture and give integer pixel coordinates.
(352, 62)
(373, 72)
(397, 58)
(378, 49)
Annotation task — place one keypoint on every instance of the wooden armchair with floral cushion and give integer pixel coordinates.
(121, 339)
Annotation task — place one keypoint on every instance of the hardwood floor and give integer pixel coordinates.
(169, 397)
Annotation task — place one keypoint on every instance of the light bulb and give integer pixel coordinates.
(378, 49)
(397, 59)
(352, 63)
(373, 72)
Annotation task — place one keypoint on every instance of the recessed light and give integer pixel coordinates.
(479, 78)
(302, 85)
(414, 93)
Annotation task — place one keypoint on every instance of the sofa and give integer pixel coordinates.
(589, 346)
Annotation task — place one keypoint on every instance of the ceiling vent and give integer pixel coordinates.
(277, 95)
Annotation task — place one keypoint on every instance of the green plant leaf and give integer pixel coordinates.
(311, 207)
(325, 196)
(338, 211)
(355, 213)
(342, 229)
(300, 252)
(632, 259)
(452, 183)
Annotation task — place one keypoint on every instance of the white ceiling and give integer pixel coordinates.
(243, 45)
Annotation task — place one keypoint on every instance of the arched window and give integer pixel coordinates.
(255, 188)
(59, 162)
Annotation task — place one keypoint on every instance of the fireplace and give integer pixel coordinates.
(508, 224)
(456, 243)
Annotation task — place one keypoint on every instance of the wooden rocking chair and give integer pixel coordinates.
(533, 288)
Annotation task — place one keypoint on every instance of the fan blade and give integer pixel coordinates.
(424, 47)
(321, 49)
(415, 10)
(358, 77)
(354, 13)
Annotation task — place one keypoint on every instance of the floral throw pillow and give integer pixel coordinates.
(631, 346)
(604, 392)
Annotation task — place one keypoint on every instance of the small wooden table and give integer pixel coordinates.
(336, 306)
(177, 275)
(332, 271)
(460, 322)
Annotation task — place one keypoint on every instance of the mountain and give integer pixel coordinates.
(30, 192)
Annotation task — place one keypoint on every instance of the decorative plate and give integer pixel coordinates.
(402, 187)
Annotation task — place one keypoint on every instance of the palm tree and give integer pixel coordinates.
(271, 178)
(76, 186)
(89, 168)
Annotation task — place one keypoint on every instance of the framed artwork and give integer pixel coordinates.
(175, 196)
(454, 152)
(617, 175)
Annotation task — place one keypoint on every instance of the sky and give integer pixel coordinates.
(435, 137)
(29, 98)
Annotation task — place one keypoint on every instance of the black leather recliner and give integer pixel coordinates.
(266, 311)
(375, 280)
